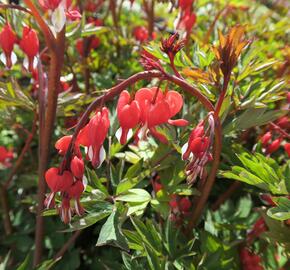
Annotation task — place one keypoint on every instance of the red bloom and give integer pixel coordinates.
(73, 15)
(198, 150)
(53, 4)
(128, 114)
(57, 182)
(287, 148)
(250, 260)
(49, 4)
(29, 45)
(63, 143)
(93, 136)
(75, 192)
(284, 122)
(95, 21)
(258, 228)
(7, 41)
(77, 167)
(184, 204)
(274, 146)
(5, 156)
(93, 43)
(140, 33)
(266, 138)
(149, 109)
(184, 4)
(187, 21)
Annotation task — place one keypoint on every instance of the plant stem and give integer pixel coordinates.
(66, 246)
(222, 95)
(23, 152)
(224, 196)
(56, 63)
(5, 208)
(10, 6)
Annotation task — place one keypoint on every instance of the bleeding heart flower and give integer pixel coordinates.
(57, 182)
(29, 45)
(5, 156)
(77, 167)
(184, 4)
(184, 204)
(266, 138)
(7, 41)
(287, 148)
(49, 4)
(128, 115)
(140, 33)
(274, 146)
(93, 136)
(63, 143)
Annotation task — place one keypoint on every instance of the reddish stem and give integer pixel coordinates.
(224, 196)
(56, 63)
(280, 130)
(5, 209)
(66, 246)
(10, 6)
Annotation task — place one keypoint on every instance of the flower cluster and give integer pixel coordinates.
(29, 44)
(5, 157)
(250, 261)
(274, 137)
(198, 150)
(68, 179)
(149, 109)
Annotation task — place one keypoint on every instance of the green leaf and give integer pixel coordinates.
(111, 234)
(135, 195)
(282, 210)
(88, 220)
(26, 264)
(253, 117)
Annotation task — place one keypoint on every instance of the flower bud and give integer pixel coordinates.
(29, 45)
(77, 167)
(7, 41)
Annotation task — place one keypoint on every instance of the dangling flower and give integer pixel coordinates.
(140, 33)
(7, 41)
(274, 146)
(63, 143)
(184, 4)
(57, 183)
(149, 109)
(29, 45)
(156, 109)
(49, 4)
(93, 136)
(287, 148)
(77, 167)
(128, 114)
(266, 138)
(5, 156)
(197, 151)
(75, 193)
